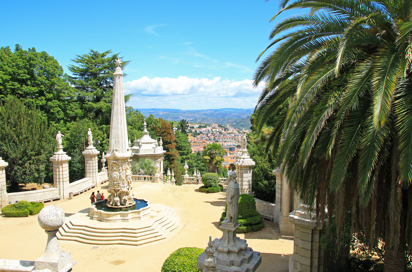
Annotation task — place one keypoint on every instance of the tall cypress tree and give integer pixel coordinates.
(26, 143)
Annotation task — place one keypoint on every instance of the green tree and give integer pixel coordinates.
(146, 165)
(213, 156)
(195, 161)
(344, 71)
(182, 145)
(183, 125)
(38, 80)
(171, 157)
(26, 143)
(75, 142)
(93, 80)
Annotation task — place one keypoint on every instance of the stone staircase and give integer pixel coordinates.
(81, 228)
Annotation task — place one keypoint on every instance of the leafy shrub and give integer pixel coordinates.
(22, 209)
(205, 189)
(259, 226)
(182, 260)
(247, 206)
(35, 207)
(210, 179)
(244, 229)
(251, 220)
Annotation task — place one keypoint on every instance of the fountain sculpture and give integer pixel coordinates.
(118, 158)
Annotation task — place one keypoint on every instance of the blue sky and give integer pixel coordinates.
(184, 54)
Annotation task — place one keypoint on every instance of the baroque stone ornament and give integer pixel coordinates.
(231, 253)
(59, 139)
(118, 156)
(89, 137)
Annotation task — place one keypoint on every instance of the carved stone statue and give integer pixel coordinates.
(89, 137)
(232, 199)
(59, 141)
(243, 141)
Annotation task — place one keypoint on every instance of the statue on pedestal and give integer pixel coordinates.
(232, 199)
(59, 140)
(90, 137)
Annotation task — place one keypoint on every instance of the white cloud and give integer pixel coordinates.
(192, 93)
(192, 86)
(151, 29)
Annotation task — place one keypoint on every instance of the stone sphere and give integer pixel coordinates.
(51, 218)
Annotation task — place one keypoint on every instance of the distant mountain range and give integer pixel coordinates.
(238, 118)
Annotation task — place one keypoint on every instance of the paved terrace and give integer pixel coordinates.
(23, 239)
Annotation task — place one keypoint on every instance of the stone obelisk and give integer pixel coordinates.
(119, 153)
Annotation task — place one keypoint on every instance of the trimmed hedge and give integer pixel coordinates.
(249, 219)
(22, 209)
(210, 179)
(205, 189)
(247, 206)
(182, 260)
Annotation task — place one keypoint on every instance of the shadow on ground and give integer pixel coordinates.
(221, 202)
(274, 263)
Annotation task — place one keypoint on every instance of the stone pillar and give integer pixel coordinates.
(4, 201)
(61, 169)
(186, 177)
(308, 254)
(90, 161)
(244, 166)
(283, 203)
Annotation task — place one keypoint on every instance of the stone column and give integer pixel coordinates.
(61, 169)
(90, 161)
(186, 177)
(283, 203)
(4, 201)
(308, 254)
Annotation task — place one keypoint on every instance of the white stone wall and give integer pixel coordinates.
(102, 177)
(81, 185)
(266, 209)
(35, 196)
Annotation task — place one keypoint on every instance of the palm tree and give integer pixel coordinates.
(343, 74)
(213, 156)
(147, 166)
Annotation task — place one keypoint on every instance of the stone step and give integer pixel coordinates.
(114, 242)
(71, 232)
(141, 232)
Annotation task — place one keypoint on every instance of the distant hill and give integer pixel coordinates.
(238, 118)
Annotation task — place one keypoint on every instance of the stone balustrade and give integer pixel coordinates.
(102, 177)
(43, 195)
(147, 178)
(81, 186)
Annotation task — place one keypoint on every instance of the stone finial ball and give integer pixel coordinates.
(51, 218)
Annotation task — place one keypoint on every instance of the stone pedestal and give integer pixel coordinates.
(91, 165)
(61, 173)
(308, 254)
(4, 201)
(284, 204)
(231, 253)
(54, 259)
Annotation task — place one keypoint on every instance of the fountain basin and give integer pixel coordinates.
(140, 211)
